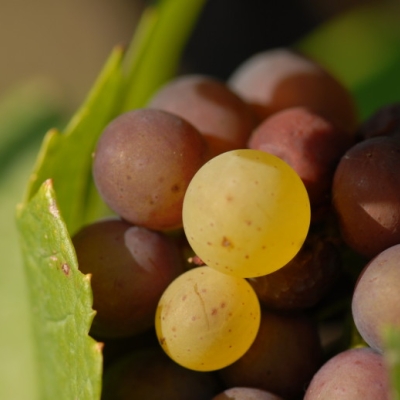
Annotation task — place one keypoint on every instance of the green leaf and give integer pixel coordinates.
(60, 295)
(66, 157)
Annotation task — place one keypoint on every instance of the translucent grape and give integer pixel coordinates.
(207, 320)
(246, 213)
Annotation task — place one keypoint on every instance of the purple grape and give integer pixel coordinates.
(130, 268)
(304, 280)
(143, 164)
(366, 193)
(356, 374)
(223, 118)
(376, 298)
(309, 143)
(283, 358)
(280, 78)
(149, 374)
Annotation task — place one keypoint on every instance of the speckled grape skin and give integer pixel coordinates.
(206, 320)
(376, 298)
(281, 78)
(219, 114)
(355, 374)
(246, 213)
(143, 163)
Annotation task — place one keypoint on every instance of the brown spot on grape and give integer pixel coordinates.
(174, 329)
(214, 311)
(162, 341)
(226, 242)
(248, 222)
(184, 297)
(222, 305)
(175, 188)
(193, 318)
(246, 256)
(65, 268)
(209, 243)
(229, 198)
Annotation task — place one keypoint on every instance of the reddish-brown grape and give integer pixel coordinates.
(130, 267)
(282, 359)
(149, 374)
(366, 193)
(224, 119)
(304, 280)
(143, 164)
(281, 78)
(309, 143)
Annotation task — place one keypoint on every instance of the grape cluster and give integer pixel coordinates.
(252, 218)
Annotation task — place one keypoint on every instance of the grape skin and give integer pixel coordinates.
(355, 374)
(376, 298)
(206, 320)
(246, 213)
(304, 280)
(282, 359)
(280, 78)
(365, 194)
(222, 117)
(149, 374)
(309, 143)
(143, 164)
(130, 267)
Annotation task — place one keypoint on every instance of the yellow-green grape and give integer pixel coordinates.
(246, 213)
(206, 320)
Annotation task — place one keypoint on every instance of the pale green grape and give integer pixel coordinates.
(207, 320)
(246, 213)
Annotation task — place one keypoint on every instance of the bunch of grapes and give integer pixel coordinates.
(252, 217)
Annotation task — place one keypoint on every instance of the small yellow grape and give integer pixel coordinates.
(246, 213)
(206, 320)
